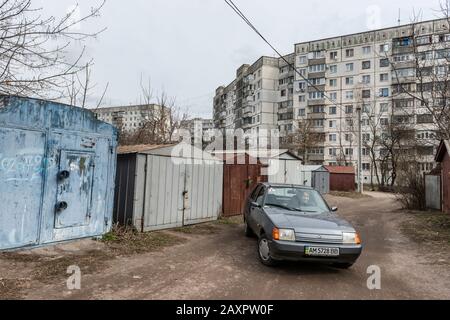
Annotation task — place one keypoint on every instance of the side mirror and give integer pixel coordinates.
(254, 204)
(334, 209)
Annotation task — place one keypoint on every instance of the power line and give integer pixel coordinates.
(236, 9)
(250, 24)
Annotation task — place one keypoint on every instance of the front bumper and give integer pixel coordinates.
(295, 251)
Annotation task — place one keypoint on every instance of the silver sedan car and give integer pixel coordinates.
(295, 223)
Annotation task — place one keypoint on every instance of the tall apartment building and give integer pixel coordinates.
(367, 71)
(129, 118)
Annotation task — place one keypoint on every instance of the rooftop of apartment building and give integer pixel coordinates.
(422, 27)
(441, 23)
(128, 107)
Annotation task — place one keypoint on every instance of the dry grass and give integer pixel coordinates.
(50, 269)
(352, 195)
(206, 228)
(127, 241)
(234, 221)
(428, 228)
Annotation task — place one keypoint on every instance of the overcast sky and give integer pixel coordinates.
(190, 47)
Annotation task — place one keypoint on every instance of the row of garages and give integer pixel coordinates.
(58, 164)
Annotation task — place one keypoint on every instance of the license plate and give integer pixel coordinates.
(322, 252)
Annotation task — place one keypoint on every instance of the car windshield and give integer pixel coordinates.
(296, 199)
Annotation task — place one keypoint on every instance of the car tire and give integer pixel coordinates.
(248, 231)
(343, 265)
(264, 252)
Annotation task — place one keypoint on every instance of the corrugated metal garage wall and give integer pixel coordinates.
(169, 192)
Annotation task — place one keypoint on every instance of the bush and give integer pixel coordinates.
(412, 194)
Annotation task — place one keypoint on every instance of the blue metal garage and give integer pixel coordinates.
(57, 169)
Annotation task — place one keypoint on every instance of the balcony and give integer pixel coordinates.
(320, 74)
(314, 61)
(247, 110)
(316, 102)
(320, 88)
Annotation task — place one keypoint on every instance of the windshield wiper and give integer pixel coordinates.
(308, 211)
(281, 206)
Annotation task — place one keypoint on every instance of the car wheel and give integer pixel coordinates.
(264, 251)
(343, 265)
(248, 231)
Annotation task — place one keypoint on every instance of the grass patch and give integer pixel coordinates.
(206, 228)
(51, 269)
(46, 269)
(128, 241)
(352, 195)
(233, 221)
(428, 227)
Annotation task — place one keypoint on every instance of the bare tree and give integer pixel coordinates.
(161, 119)
(80, 90)
(34, 48)
(303, 139)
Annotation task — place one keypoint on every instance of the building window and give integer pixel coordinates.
(318, 123)
(349, 67)
(349, 53)
(348, 137)
(424, 118)
(333, 68)
(332, 137)
(332, 110)
(349, 109)
(384, 48)
(332, 123)
(333, 55)
(302, 60)
(333, 96)
(316, 95)
(302, 85)
(301, 112)
(384, 121)
(366, 94)
(333, 82)
(332, 152)
(317, 68)
(283, 93)
(349, 95)
(384, 77)
(349, 81)
(367, 50)
(383, 107)
(302, 98)
(384, 63)
(366, 65)
(366, 79)
(366, 137)
(318, 109)
(348, 151)
(384, 92)
(366, 166)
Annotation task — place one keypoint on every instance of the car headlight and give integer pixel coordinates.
(351, 238)
(283, 234)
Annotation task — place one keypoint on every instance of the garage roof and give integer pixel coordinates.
(341, 169)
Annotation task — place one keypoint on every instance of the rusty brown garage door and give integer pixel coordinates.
(238, 181)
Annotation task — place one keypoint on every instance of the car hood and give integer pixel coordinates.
(326, 223)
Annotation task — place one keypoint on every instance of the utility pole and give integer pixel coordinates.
(360, 175)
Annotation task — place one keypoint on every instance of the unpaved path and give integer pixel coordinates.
(224, 265)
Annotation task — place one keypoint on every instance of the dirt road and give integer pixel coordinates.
(224, 265)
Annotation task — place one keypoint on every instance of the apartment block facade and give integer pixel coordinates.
(128, 118)
(334, 79)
